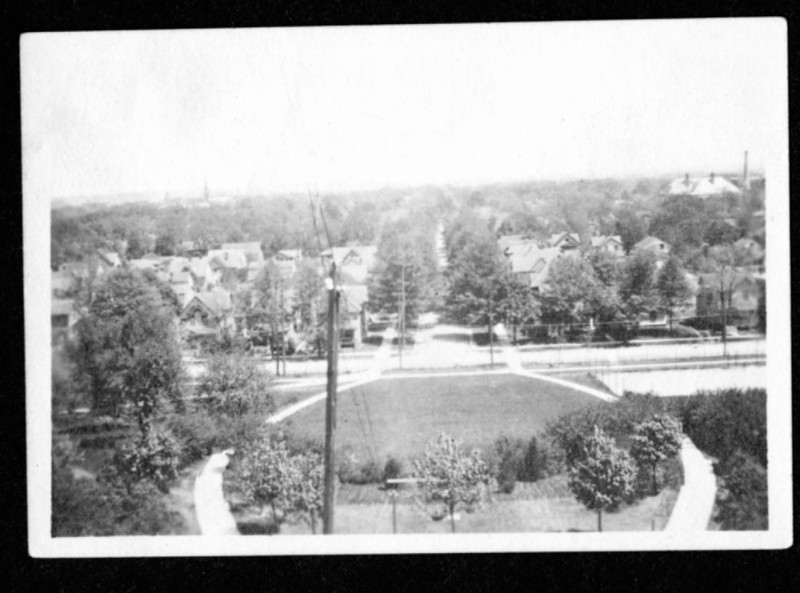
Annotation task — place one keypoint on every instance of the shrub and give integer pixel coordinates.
(534, 464)
(724, 421)
(352, 470)
(107, 505)
(654, 441)
(507, 462)
(742, 501)
(392, 470)
(197, 432)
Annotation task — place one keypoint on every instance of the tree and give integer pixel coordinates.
(601, 475)
(654, 441)
(127, 356)
(234, 385)
(305, 494)
(405, 262)
(672, 287)
(637, 287)
(266, 472)
(630, 228)
(448, 474)
(519, 305)
(573, 294)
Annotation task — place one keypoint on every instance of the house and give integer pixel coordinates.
(62, 284)
(746, 290)
(751, 249)
(211, 310)
(565, 241)
(610, 244)
(108, 260)
(354, 311)
(63, 316)
(531, 264)
(653, 244)
(703, 187)
(352, 263)
(252, 250)
(228, 258)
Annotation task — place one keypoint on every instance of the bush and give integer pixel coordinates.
(534, 464)
(107, 505)
(742, 501)
(722, 422)
(392, 470)
(507, 462)
(352, 470)
(197, 432)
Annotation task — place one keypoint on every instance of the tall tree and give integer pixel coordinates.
(573, 294)
(128, 355)
(672, 287)
(637, 287)
(404, 263)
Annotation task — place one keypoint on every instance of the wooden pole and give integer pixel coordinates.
(402, 312)
(330, 403)
(491, 342)
(283, 331)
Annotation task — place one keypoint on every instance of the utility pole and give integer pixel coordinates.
(330, 402)
(283, 330)
(491, 342)
(402, 312)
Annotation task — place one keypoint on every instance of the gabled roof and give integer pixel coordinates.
(143, 264)
(217, 301)
(601, 240)
(534, 261)
(227, 258)
(559, 238)
(251, 249)
(289, 254)
(651, 243)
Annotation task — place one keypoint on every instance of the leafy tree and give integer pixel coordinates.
(654, 441)
(637, 287)
(127, 355)
(518, 304)
(266, 473)
(309, 294)
(234, 385)
(406, 256)
(478, 277)
(448, 474)
(573, 294)
(630, 228)
(601, 475)
(672, 287)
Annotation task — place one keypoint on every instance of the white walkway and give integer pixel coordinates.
(213, 513)
(695, 503)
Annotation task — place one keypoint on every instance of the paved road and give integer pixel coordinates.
(213, 512)
(695, 503)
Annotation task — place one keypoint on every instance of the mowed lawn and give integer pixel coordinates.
(397, 416)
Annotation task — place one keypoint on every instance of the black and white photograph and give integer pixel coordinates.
(423, 288)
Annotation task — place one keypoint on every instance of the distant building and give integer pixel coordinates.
(252, 250)
(352, 263)
(531, 264)
(746, 290)
(654, 245)
(703, 187)
(212, 310)
(63, 316)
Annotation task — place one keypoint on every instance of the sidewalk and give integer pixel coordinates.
(695, 503)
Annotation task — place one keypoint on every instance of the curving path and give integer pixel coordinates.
(213, 513)
(695, 503)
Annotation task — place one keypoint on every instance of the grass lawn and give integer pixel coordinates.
(396, 417)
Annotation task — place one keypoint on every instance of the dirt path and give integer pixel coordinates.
(695, 503)
(213, 513)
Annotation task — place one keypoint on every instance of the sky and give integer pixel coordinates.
(260, 110)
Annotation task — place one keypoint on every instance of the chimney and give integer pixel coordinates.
(746, 176)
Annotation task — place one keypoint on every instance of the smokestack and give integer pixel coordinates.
(746, 176)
